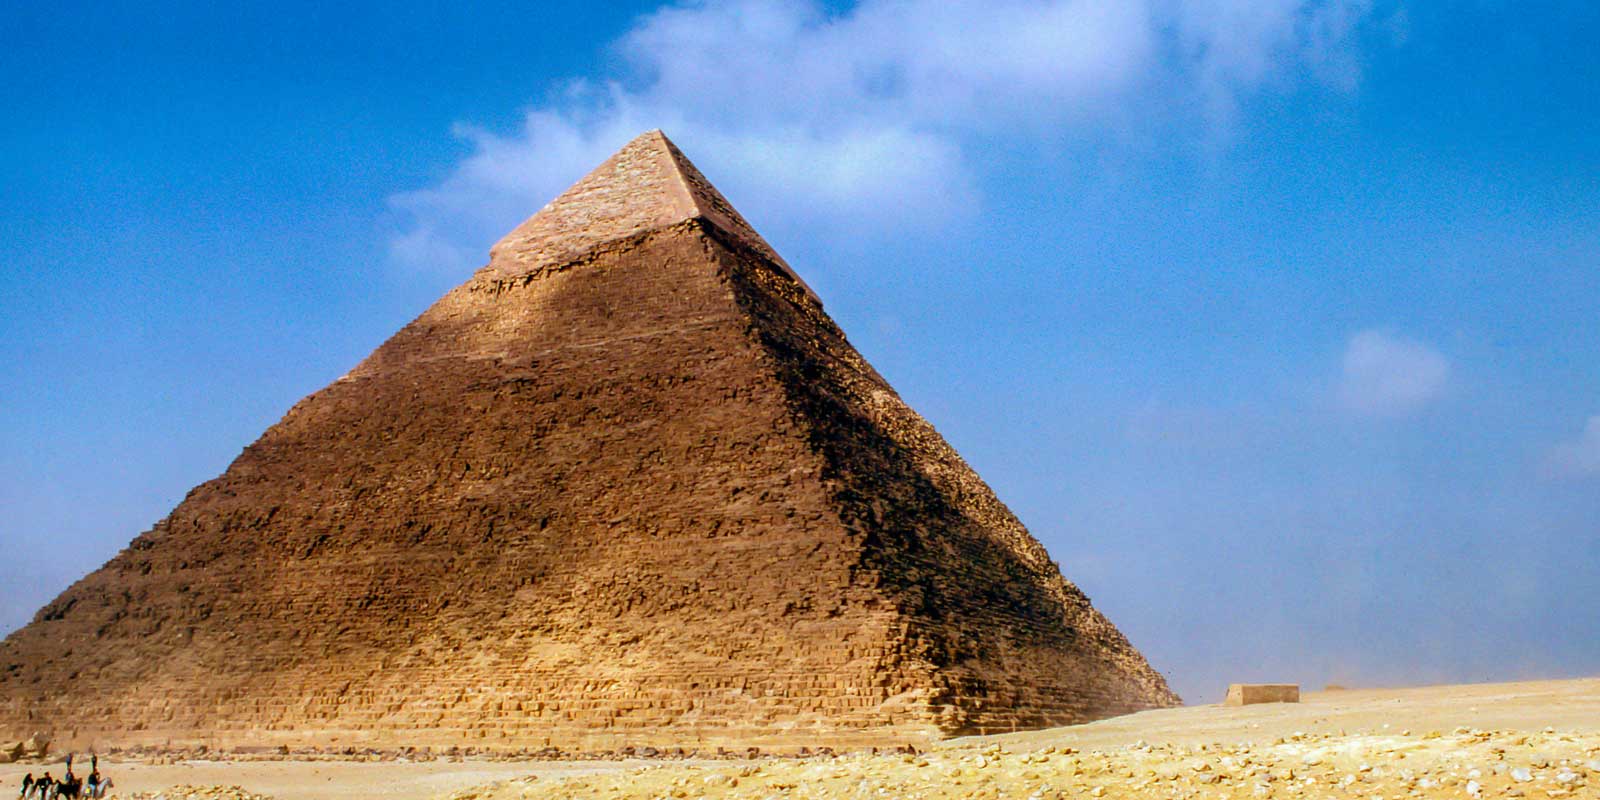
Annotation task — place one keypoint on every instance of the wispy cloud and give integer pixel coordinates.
(1385, 375)
(1581, 456)
(868, 117)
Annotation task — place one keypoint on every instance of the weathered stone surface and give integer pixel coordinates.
(627, 486)
(647, 185)
(1244, 694)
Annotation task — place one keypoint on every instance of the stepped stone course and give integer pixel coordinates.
(627, 486)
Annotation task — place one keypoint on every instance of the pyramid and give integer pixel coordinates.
(627, 486)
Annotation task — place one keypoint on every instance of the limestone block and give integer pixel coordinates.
(1245, 694)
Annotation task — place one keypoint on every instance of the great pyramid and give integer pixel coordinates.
(627, 486)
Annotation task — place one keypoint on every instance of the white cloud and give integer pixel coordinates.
(864, 118)
(1581, 456)
(1386, 375)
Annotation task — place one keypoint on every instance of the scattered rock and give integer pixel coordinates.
(185, 792)
(1354, 767)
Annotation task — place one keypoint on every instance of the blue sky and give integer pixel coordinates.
(1278, 322)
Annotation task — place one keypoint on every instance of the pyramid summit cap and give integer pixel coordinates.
(647, 185)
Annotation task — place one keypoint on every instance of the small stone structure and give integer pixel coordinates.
(1248, 694)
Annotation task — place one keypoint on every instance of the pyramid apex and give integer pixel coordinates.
(646, 185)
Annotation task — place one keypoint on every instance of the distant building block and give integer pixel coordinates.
(1244, 694)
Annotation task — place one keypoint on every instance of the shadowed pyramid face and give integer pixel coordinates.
(629, 485)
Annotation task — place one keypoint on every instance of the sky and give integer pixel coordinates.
(1276, 321)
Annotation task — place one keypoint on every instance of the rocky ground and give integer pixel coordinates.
(1529, 740)
(1462, 763)
(182, 792)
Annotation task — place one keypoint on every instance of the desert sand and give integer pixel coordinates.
(1533, 740)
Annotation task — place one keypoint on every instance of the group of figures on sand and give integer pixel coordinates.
(68, 785)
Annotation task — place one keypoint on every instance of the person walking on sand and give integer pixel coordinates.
(27, 786)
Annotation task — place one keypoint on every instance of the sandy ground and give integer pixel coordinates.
(1536, 741)
(319, 780)
(1572, 705)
